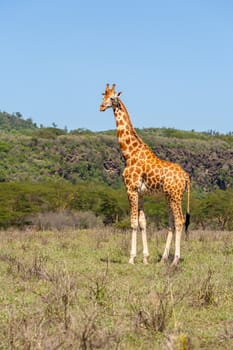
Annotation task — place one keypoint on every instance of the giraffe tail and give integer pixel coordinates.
(187, 219)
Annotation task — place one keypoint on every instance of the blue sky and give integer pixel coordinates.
(173, 61)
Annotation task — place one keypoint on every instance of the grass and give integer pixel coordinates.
(76, 290)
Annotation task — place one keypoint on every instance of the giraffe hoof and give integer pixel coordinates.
(131, 261)
(145, 260)
(175, 261)
(164, 260)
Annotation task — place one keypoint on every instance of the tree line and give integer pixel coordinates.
(21, 203)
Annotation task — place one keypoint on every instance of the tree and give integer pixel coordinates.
(109, 208)
(219, 207)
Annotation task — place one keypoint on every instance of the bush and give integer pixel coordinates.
(65, 219)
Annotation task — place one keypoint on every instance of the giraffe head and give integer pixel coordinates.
(110, 98)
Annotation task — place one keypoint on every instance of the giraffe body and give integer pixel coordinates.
(145, 173)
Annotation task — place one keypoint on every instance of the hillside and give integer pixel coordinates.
(29, 153)
(15, 121)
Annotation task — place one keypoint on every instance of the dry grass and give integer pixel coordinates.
(75, 290)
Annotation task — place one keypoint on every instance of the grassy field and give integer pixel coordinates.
(76, 290)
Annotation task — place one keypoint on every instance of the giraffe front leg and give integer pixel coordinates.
(133, 250)
(142, 225)
(133, 201)
(169, 234)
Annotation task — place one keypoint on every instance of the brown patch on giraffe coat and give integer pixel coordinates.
(120, 133)
(123, 146)
(135, 144)
(120, 122)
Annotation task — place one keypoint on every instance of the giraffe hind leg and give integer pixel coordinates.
(179, 223)
(171, 230)
(167, 246)
(178, 233)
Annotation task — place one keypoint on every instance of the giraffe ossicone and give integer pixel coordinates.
(145, 173)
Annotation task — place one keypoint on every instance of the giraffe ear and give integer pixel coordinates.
(119, 94)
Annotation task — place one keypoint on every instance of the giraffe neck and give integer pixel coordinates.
(128, 139)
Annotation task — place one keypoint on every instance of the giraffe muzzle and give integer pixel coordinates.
(102, 108)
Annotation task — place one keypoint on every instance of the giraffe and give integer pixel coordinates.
(145, 173)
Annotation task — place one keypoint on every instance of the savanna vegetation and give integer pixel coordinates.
(32, 204)
(74, 289)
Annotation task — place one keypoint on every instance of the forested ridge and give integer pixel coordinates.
(87, 167)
